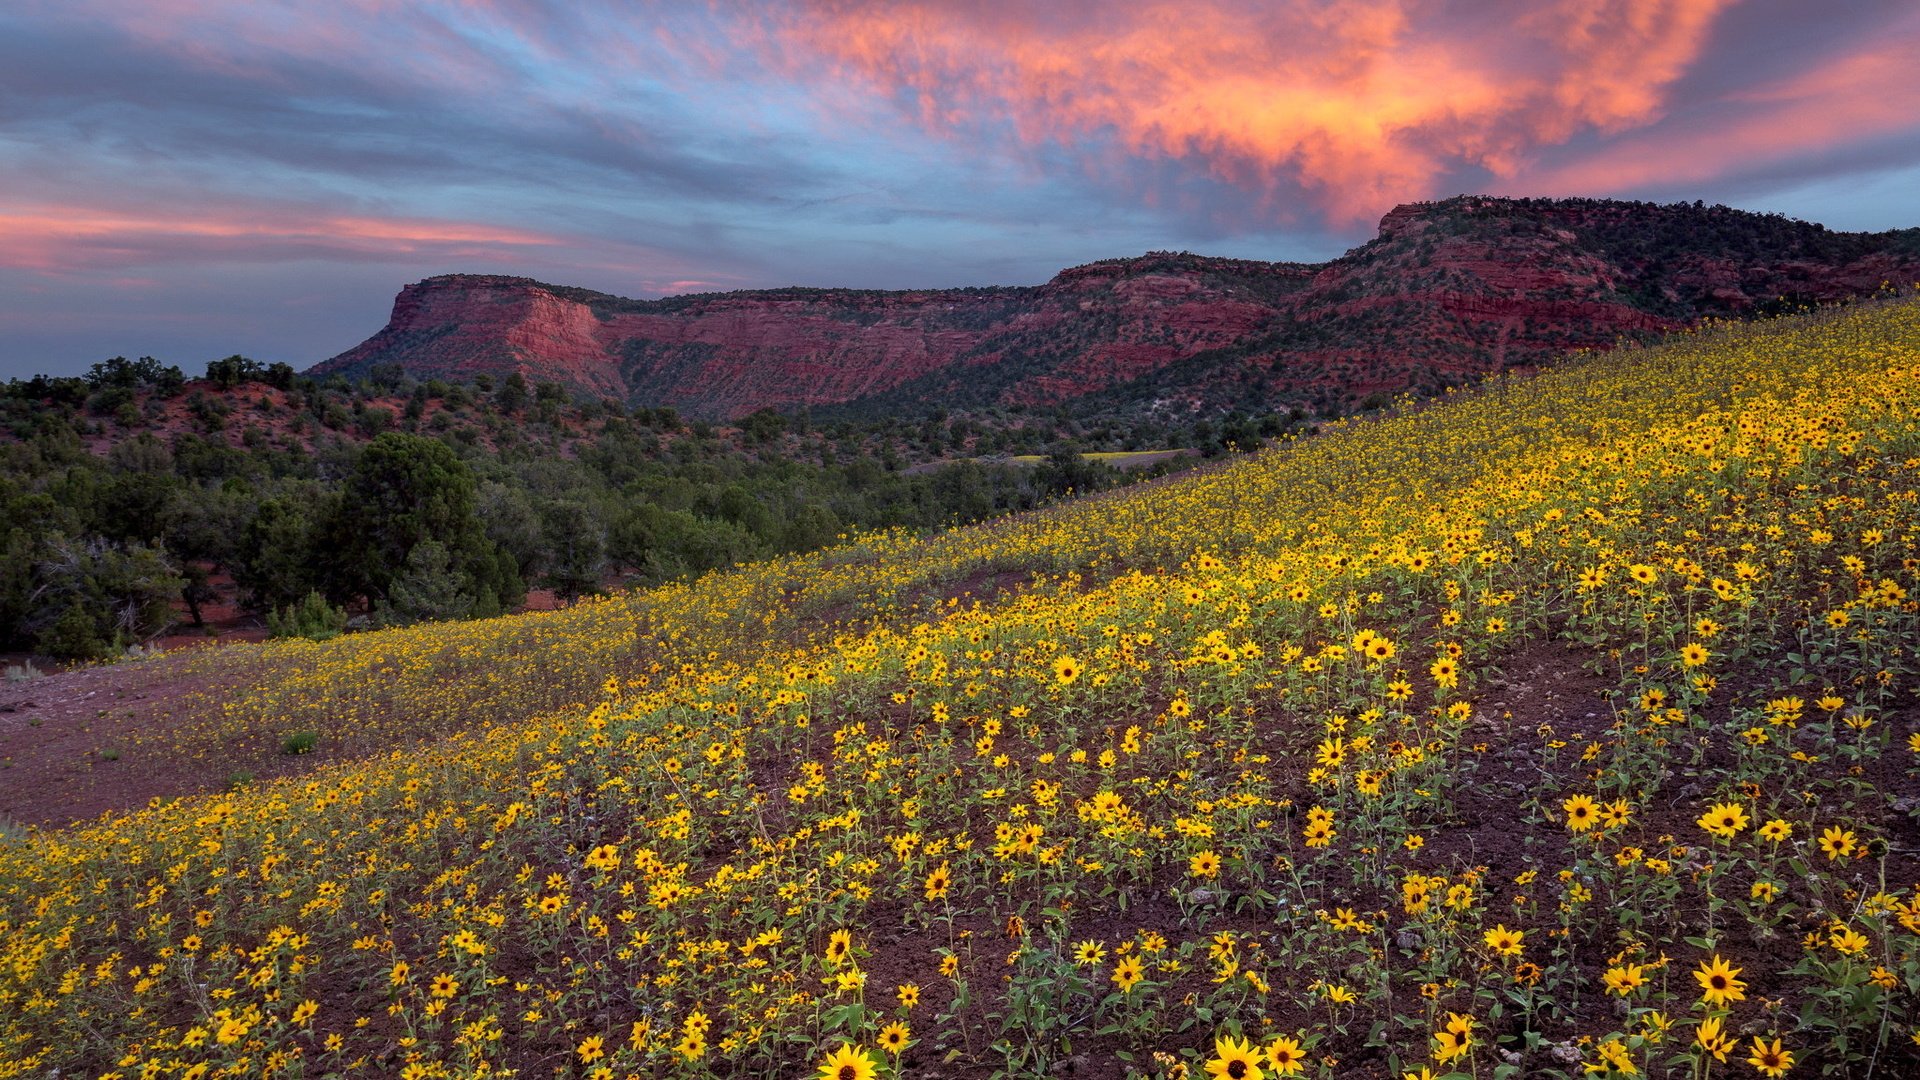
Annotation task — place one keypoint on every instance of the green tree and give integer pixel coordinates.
(404, 491)
(276, 564)
(428, 588)
(576, 543)
(513, 525)
(91, 597)
(512, 395)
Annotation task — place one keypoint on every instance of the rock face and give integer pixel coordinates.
(1446, 291)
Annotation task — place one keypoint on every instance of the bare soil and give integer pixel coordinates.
(59, 736)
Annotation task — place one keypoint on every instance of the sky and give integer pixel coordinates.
(188, 179)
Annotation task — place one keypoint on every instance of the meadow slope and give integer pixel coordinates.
(1564, 727)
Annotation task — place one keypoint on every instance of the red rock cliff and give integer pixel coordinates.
(1467, 285)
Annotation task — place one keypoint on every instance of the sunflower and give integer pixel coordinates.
(1644, 574)
(1285, 1055)
(1847, 940)
(848, 1063)
(839, 947)
(1838, 843)
(1504, 942)
(1625, 979)
(909, 995)
(1613, 1055)
(939, 881)
(1712, 1038)
(1205, 864)
(1454, 1040)
(1582, 812)
(1235, 1059)
(1089, 953)
(1065, 670)
(1718, 982)
(1724, 819)
(893, 1038)
(1127, 973)
(1693, 654)
(445, 986)
(1771, 1060)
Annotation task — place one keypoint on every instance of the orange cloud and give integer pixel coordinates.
(53, 238)
(1362, 104)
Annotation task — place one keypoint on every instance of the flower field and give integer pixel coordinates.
(1566, 727)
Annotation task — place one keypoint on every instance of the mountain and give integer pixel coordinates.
(1446, 291)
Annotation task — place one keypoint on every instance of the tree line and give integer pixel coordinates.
(126, 493)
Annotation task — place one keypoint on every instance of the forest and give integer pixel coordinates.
(133, 495)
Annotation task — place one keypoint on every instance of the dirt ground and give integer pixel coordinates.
(62, 732)
(56, 742)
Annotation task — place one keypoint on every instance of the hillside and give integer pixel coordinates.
(1564, 727)
(1446, 292)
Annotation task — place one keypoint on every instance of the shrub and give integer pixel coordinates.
(312, 618)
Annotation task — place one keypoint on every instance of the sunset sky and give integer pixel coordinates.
(192, 178)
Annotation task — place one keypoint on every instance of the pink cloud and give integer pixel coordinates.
(1361, 104)
(56, 238)
(1847, 99)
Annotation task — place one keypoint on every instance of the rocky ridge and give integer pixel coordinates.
(1446, 291)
